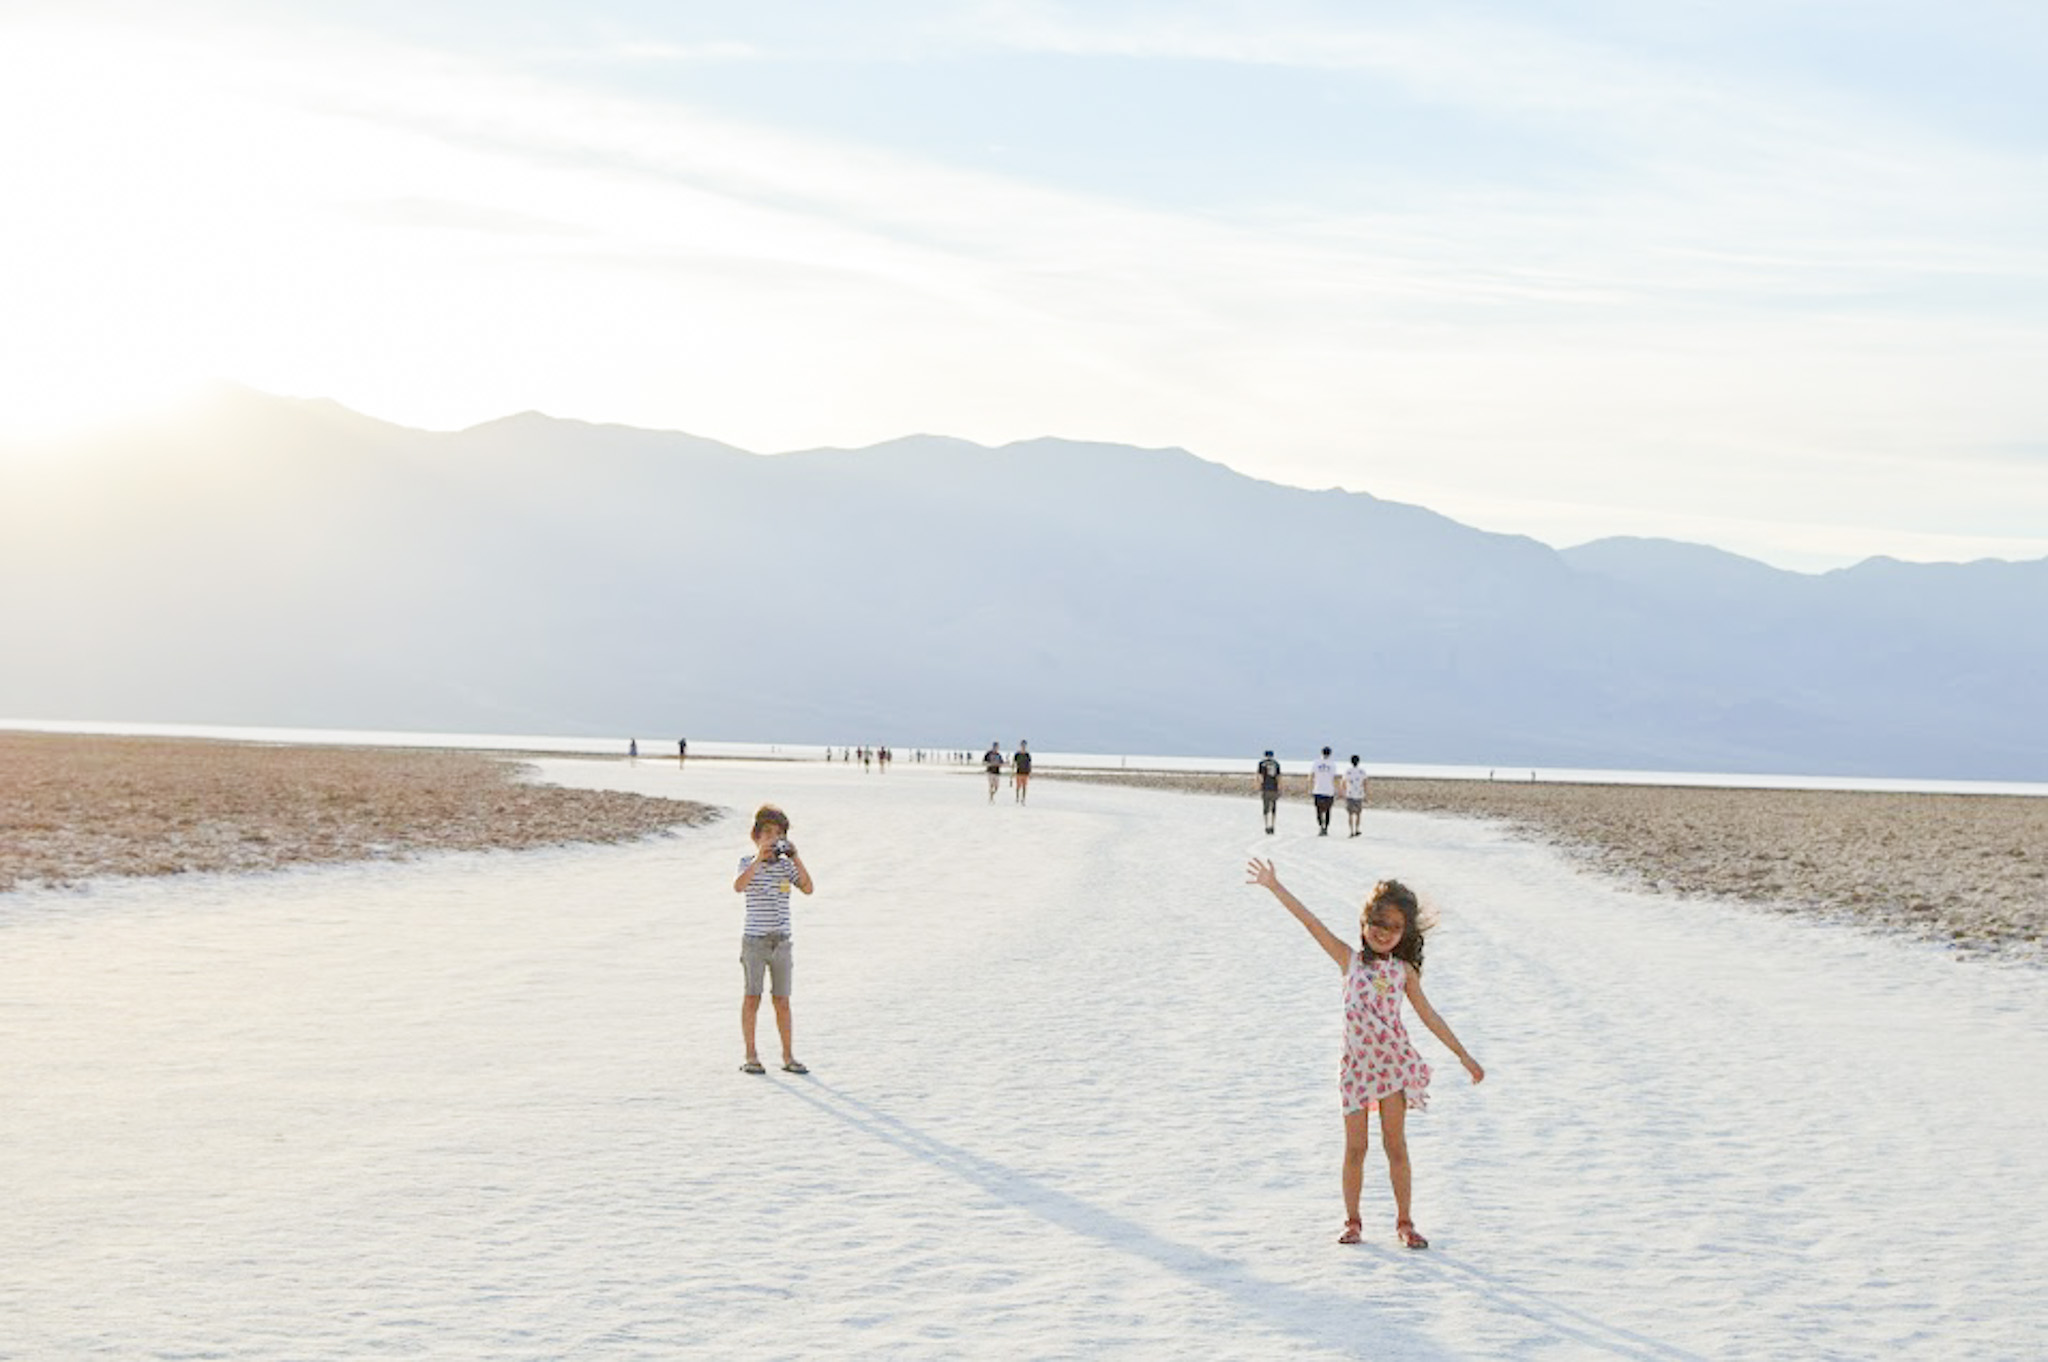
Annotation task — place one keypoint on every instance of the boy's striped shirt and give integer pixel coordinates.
(768, 896)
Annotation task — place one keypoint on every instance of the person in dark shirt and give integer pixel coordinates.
(1269, 787)
(1020, 765)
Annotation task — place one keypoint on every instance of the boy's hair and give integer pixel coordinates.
(1394, 894)
(769, 816)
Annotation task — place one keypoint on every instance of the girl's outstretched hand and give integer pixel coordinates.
(1262, 874)
(1472, 1067)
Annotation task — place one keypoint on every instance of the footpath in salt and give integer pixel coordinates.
(1073, 1096)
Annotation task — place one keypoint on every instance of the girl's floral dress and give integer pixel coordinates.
(1378, 1058)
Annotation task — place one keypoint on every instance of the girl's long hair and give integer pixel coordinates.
(1394, 894)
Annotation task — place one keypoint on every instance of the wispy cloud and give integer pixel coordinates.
(1721, 300)
(636, 51)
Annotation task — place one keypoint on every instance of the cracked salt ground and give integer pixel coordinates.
(1074, 1095)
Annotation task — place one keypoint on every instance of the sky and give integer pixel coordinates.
(1765, 274)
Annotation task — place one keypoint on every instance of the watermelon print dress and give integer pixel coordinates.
(1378, 1058)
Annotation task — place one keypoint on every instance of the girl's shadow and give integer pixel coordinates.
(1326, 1322)
(1333, 1323)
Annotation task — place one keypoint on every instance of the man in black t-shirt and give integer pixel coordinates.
(1020, 766)
(1269, 787)
(992, 762)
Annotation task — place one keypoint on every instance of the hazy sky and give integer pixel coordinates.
(1767, 274)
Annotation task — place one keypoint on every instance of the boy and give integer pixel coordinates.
(765, 878)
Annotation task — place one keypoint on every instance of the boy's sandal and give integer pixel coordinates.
(1352, 1232)
(1404, 1230)
(795, 1066)
(753, 1066)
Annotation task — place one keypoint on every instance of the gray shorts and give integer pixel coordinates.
(770, 955)
(1270, 799)
(1354, 805)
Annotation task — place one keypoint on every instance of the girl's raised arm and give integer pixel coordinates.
(1261, 873)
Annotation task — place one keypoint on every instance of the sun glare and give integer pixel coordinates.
(35, 423)
(92, 238)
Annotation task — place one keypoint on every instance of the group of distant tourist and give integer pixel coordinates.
(880, 757)
(1020, 770)
(1324, 778)
(682, 750)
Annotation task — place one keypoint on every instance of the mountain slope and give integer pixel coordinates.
(285, 562)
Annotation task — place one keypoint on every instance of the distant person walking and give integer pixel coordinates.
(992, 762)
(682, 750)
(1322, 783)
(1269, 788)
(632, 749)
(1020, 765)
(1382, 1070)
(1354, 792)
(766, 878)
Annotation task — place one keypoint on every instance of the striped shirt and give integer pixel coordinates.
(768, 896)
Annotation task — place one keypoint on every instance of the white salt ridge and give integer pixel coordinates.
(1074, 1095)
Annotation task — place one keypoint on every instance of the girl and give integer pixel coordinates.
(1381, 1069)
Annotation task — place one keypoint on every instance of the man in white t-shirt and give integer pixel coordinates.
(1354, 792)
(1322, 783)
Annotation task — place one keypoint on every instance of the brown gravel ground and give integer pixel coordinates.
(1970, 869)
(75, 807)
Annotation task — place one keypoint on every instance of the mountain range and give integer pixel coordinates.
(289, 562)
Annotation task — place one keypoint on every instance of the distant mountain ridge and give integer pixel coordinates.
(288, 562)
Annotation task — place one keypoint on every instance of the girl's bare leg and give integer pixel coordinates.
(1394, 1135)
(1354, 1161)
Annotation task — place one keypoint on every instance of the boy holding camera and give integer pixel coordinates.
(766, 878)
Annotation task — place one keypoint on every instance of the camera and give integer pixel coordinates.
(783, 847)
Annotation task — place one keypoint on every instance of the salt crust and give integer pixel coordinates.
(75, 807)
(1969, 869)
